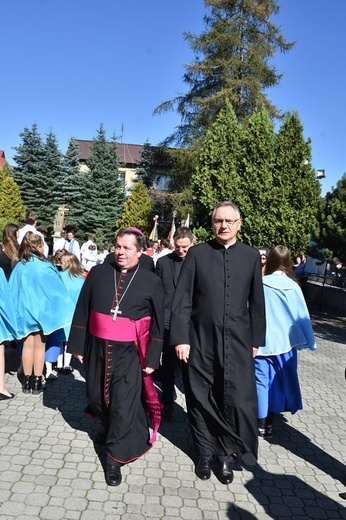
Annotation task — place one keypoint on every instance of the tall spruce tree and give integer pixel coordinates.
(28, 170)
(144, 166)
(138, 210)
(296, 192)
(11, 204)
(71, 186)
(103, 192)
(257, 161)
(217, 173)
(330, 226)
(232, 61)
(49, 181)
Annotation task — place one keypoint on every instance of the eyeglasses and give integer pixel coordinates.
(220, 221)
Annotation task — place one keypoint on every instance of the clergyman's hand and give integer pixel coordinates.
(79, 357)
(148, 370)
(183, 352)
(254, 351)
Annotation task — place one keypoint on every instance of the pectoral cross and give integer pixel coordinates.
(115, 312)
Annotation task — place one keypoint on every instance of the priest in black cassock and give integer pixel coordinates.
(217, 324)
(117, 331)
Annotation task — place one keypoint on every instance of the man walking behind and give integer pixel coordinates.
(168, 268)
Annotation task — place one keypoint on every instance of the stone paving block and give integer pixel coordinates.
(190, 503)
(134, 498)
(154, 511)
(12, 508)
(132, 516)
(173, 502)
(170, 482)
(153, 490)
(210, 515)
(207, 504)
(190, 513)
(171, 514)
(90, 515)
(189, 492)
(76, 504)
(116, 506)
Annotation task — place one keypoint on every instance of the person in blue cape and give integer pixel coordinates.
(72, 274)
(288, 330)
(7, 330)
(43, 305)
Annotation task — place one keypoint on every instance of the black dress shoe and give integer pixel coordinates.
(4, 397)
(225, 473)
(203, 469)
(113, 475)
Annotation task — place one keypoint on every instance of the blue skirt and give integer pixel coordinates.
(277, 383)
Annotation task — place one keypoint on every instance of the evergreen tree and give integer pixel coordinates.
(71, 185)
(48, 184)
(144, 166)
(103, 193)
(28, 172)
(182, 168)
(11, 205)
(330, 226)
(217, 175)
(268, 176)
(295, 193)
(232, 61)
(138, 210)
(257, 161)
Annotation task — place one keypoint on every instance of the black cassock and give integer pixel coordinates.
(218, 309)
(113, 371)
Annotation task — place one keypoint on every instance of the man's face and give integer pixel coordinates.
(70, 236)
(226, 225)
(126, 254)
(181, 246)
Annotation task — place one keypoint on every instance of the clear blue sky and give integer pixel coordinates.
(69, 65)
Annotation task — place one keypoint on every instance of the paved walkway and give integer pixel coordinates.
(51, 469)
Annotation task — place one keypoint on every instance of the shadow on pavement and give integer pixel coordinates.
(301, 446)
(67, 395)
(279, 495)
(329, 327)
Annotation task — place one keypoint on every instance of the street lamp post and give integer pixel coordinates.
(320, 174)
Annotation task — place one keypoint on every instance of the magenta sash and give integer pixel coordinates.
(123, 329)
(103, 326)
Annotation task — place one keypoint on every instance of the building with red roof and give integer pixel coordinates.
(129, 155)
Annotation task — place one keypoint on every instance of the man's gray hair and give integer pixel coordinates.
(225, 203)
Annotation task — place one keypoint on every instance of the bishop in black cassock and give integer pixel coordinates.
(217, 322)
(120, 304)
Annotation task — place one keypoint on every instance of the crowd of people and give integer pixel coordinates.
(227, 318)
